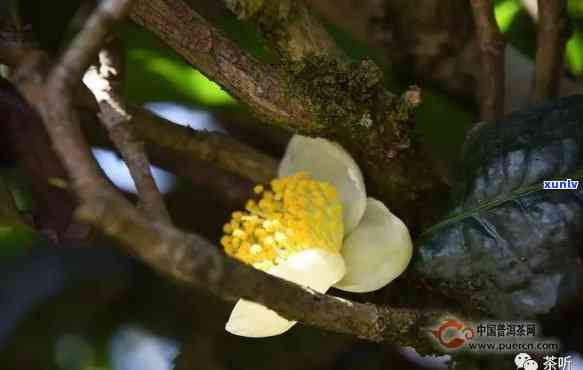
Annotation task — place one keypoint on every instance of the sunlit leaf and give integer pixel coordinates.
(505, 11)
(156, 73)
(183, 77)
(574, 53)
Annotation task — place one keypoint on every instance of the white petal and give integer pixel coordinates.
(377, 251)
(314, 268)
(327, 161)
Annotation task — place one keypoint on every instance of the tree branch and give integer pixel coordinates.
(218, 149)
(260, 86)
(173, 145)
(553, 32)
(318, 96)
(105, 83)
(291, 28)
(26, 138)
(226, 167)
(491, 45)
(186, 257)
(192, 260)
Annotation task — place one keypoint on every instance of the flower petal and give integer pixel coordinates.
(377, 251)
(327, 161)
(315, 268)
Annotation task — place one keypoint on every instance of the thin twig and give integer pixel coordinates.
(491, 44)
(105, 83)
(223, 166)
(174, 146)
(186, 257)
(553, 32)
(216, 148)
(56, 101)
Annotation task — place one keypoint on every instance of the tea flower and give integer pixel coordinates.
(315, 227)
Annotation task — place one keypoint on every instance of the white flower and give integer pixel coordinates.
(316, 228)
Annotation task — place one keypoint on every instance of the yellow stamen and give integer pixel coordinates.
(296, 214)
(258, 189)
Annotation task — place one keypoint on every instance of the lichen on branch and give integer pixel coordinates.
(289, 26)
(345, 101)
(352, 105)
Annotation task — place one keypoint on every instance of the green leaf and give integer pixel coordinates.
(507, 246)
(15, 235)
(156, 73)
(182, 77)
(574, 53)
(505, 12)
(575, 8)
(15, 239)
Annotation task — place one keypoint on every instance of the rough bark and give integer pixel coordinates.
(321, 95)
(260, 86)
(188, 258)
(105, 82)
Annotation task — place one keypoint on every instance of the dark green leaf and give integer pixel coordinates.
(507, 246)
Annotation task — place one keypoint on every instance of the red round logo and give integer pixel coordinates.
(452, 334)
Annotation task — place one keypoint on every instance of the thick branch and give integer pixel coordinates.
(189, 258)
(553, 32)
(342, 101)
(104, 83)
(194, 261)
(289, 26)
(491, 44)
(258, 85)
(26, 138)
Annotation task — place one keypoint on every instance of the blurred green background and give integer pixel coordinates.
(155, 73)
